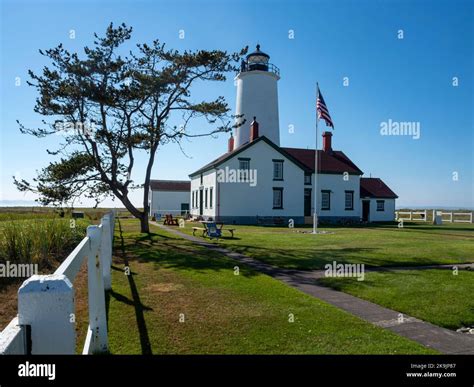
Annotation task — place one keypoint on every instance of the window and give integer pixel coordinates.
(192, 199)
(325, 200)
(277, 169)
(380, 205)
(307, 178)
(244, 169)
(349, 200)
(210, 196)
(205, 198)
(201, 178)
(278, 198)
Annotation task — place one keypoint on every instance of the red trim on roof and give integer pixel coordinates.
(170, 185)
(373, 187)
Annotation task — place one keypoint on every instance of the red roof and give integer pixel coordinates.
(375, 188)
(328, 162)
(170, 185)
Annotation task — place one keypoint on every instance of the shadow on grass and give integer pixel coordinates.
(135, 301)
(178, 253)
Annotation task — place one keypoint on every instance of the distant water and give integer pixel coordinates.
(434, 208)
(19, 203)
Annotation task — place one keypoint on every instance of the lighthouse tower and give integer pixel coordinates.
(257, 96)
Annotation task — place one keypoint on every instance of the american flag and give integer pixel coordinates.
(323, 111)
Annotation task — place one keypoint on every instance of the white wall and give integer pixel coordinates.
(382, 216)
(257, 96)
(240, 199)
(338, 185)
(208, 181)
(168, 201)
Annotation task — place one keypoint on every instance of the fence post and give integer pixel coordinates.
(46, 303)
(97, 315)
(106, 251)
(112, 226)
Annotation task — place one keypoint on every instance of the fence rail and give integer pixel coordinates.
(431, 215)
(46, 311)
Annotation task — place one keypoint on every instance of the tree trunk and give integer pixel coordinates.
(144, 225)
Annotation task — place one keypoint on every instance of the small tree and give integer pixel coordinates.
(109, 107)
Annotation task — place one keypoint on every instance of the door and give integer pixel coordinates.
(184, 208)
(307, 202)
(365, 210)
(200, 201)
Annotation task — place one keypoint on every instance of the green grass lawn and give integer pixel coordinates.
(436, 296)
(223, 313)
(383, 245)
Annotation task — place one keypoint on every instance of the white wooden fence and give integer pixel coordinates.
(420, 216)
(46, 311)
(446, 216)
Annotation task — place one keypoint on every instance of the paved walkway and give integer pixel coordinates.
(432, 336)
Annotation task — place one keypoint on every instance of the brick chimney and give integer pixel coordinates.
(254, 129)
(230, 146)
(327, 142)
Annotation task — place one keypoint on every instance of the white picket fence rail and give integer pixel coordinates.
(452, 217)
(421, 215)
(446, 216)
(46, 310)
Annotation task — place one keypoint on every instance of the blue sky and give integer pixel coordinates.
(409, 79)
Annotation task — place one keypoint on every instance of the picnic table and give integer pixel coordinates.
(219, 226)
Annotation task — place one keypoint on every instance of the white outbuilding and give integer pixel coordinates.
(169, 197)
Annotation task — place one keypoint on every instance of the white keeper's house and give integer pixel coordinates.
(259, 181)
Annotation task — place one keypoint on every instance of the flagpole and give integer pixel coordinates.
(315, 195)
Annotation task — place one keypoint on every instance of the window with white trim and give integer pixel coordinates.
(380, 205)
(277, 169)
(349, 200)
(277, 198)
(244, 169)
(325, 200)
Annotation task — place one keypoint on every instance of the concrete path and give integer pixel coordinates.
(432, 336)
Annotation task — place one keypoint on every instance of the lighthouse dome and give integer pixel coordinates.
(258, 60)
(258, 56)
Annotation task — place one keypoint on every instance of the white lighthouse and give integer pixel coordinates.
(257, 96)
